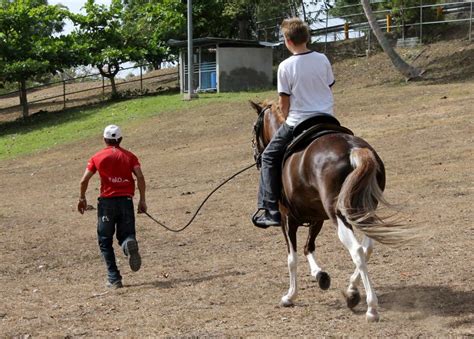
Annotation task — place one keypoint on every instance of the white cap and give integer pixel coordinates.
(112, 132)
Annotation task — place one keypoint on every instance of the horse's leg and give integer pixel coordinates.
(349, 240)
(289, 229)
(321, 277)
(352, 293)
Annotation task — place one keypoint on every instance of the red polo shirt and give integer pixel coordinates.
(115, 166)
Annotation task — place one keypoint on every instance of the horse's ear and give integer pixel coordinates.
(256, 106)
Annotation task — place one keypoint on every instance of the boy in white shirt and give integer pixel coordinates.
(304, 88)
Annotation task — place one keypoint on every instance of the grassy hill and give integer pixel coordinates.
(444, 62)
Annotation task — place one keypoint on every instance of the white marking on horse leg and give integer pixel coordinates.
(367, 246)
(313, 266)
(349, 240)
(287, 300)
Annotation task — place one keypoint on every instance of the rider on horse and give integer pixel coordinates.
(304, 88)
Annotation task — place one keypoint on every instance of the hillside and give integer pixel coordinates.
(88, 92)
(444, 62)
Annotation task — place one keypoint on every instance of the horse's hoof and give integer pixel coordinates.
(372, 316)
(285, 302)
(352, 298)
(323, 279)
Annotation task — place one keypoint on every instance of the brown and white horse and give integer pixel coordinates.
(338, 177)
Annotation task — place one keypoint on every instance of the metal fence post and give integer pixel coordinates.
(421, 22)
(470, 25)
(64, 94)
(103, 86)
(141, 80)
(368, 41)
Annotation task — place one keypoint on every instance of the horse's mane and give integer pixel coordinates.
(275, 110)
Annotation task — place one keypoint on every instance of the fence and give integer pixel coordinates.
(333, 29)
(88, 89)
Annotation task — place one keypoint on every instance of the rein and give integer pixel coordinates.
(257, 129)
(202, 204)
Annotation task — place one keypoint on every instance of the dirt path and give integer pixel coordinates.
(222, 276)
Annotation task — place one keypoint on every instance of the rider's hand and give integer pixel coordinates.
(82, 205)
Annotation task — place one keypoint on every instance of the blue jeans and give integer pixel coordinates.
(114, 214)
(269, 190)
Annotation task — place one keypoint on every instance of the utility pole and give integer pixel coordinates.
(190, 95)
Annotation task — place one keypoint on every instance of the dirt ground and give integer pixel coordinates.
(222, 277)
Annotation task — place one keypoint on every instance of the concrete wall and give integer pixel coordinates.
(244, 68)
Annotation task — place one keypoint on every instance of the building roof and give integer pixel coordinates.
(222, 42)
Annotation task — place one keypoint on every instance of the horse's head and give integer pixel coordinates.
(268, 121)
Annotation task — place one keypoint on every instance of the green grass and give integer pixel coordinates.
(47, 130)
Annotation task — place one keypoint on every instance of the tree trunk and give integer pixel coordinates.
(114, 87)
(157, 64)
(23, 98)
(110, 71)
(407, 70)
(243, 29)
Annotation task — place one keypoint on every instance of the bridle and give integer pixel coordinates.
(257, 145)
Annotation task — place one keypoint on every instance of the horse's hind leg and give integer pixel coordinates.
(349, 240)
(289, 230)
(321, 277)
(352, 293)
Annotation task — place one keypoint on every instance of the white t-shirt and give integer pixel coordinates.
(307, 78)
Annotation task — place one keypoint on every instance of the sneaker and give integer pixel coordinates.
(114, 285)
(267, 219)
(131, 250)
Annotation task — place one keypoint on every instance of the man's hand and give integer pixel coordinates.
(82, 205)
(142, 207)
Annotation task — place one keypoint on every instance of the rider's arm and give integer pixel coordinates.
(284, 102)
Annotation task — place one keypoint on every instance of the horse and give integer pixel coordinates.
(337, 177)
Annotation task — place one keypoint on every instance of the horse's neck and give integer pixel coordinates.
(274, 123)
(280, 116)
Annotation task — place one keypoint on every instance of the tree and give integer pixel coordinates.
(102, 39)
(152, 23)
(263, 14)
(31, 44)
(407, 70)
(240, 18)
(240, 15)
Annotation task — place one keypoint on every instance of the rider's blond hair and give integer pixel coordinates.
(296, 30)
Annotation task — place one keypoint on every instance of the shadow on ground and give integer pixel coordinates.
(189, 281)
(429, 300)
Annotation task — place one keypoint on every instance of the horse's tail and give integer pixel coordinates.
(359, 197)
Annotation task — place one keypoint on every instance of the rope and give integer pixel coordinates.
(202, 204)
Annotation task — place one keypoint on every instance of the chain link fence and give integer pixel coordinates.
(435, 20)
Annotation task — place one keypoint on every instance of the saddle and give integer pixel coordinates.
(311, 129)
